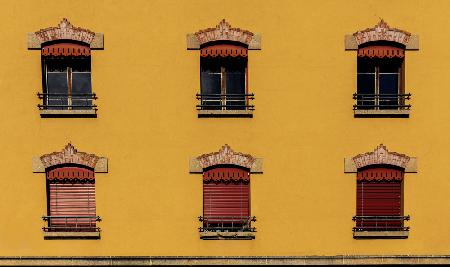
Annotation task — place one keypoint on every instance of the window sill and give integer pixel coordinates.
(227, 235)
(225, 113)
(71, 235)
(84, 113)
(380, 234)
(386, 113)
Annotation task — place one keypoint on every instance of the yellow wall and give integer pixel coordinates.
(147, 126)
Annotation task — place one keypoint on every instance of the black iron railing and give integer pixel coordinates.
(381, 101)
(67, 101)
(380, 223)
(225, 102)
(227, 224)
(71, 223)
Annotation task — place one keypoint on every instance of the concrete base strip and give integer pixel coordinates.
(239, 260)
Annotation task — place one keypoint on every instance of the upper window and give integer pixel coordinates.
(226, 194)
(379, 195)
(223, 70)
(66, 70)
(380, 72)
(71, 204)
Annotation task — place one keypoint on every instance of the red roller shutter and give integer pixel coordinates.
(379, 193)
(71, 197)
(227, 197)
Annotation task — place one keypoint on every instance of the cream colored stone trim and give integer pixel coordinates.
(224, 113)
(383, 112)
(195, 167)
(380, 234)
(227, 235)
(350, 42)
(224, 260)
(350, 166)
(35, 44)
(74, 112)
(194, 44)
(71, 235)
(100, 167)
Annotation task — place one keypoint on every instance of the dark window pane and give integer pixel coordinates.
(210, 89)
(235, 90)
(57, 90)
(366, 91)
(366, 65)
(81, 90)
(388, 91)
(390, 65)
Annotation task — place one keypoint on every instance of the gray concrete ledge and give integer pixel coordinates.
(350, 167)
(227, 235)
(386, 113)
(225, 113)
(83, 113)
(71, 235)
(350, 42)
(222, 260)
(380, 234)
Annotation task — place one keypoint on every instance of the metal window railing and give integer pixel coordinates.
(380, 223)
(71, 223)
(381, 101)
(67, 101)
(227, 223)
(225, 101)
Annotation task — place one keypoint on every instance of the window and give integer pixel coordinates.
(226, 200)
(380, 78)
(226, 193)
(71, 199)
(67, 77)
(379, 193)
(223, 70)
(379, 199)
(66, 69)
(381, 70)
(70, 188)
(223, 78)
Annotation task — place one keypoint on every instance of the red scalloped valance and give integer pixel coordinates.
(70, 173)
(381, 52)
(66, 50)
(380, 174)
(226, 174)
(224, 50)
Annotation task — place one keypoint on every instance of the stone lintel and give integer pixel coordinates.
(33, 42)
(350, 42)
(194, 44)
(350, 167)
(100, 167)
(195, 167)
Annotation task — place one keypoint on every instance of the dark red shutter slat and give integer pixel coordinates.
(71, 193)
(379, 193)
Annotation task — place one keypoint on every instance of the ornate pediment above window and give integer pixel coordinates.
(70, 155)
(225, 156)
(223, 32)
(380, 156)
(381, 32)
(65, 31)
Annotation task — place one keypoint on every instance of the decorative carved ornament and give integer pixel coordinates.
(69, 155)
(224, 32)
(226, 156)
(382, 32)
(65, 31)
(381, 156)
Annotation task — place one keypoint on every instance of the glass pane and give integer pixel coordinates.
(366, 65)
(210, 89)
(81, 90)
(366, 90)
(57, 90)
(235, 90)
(388, 91)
